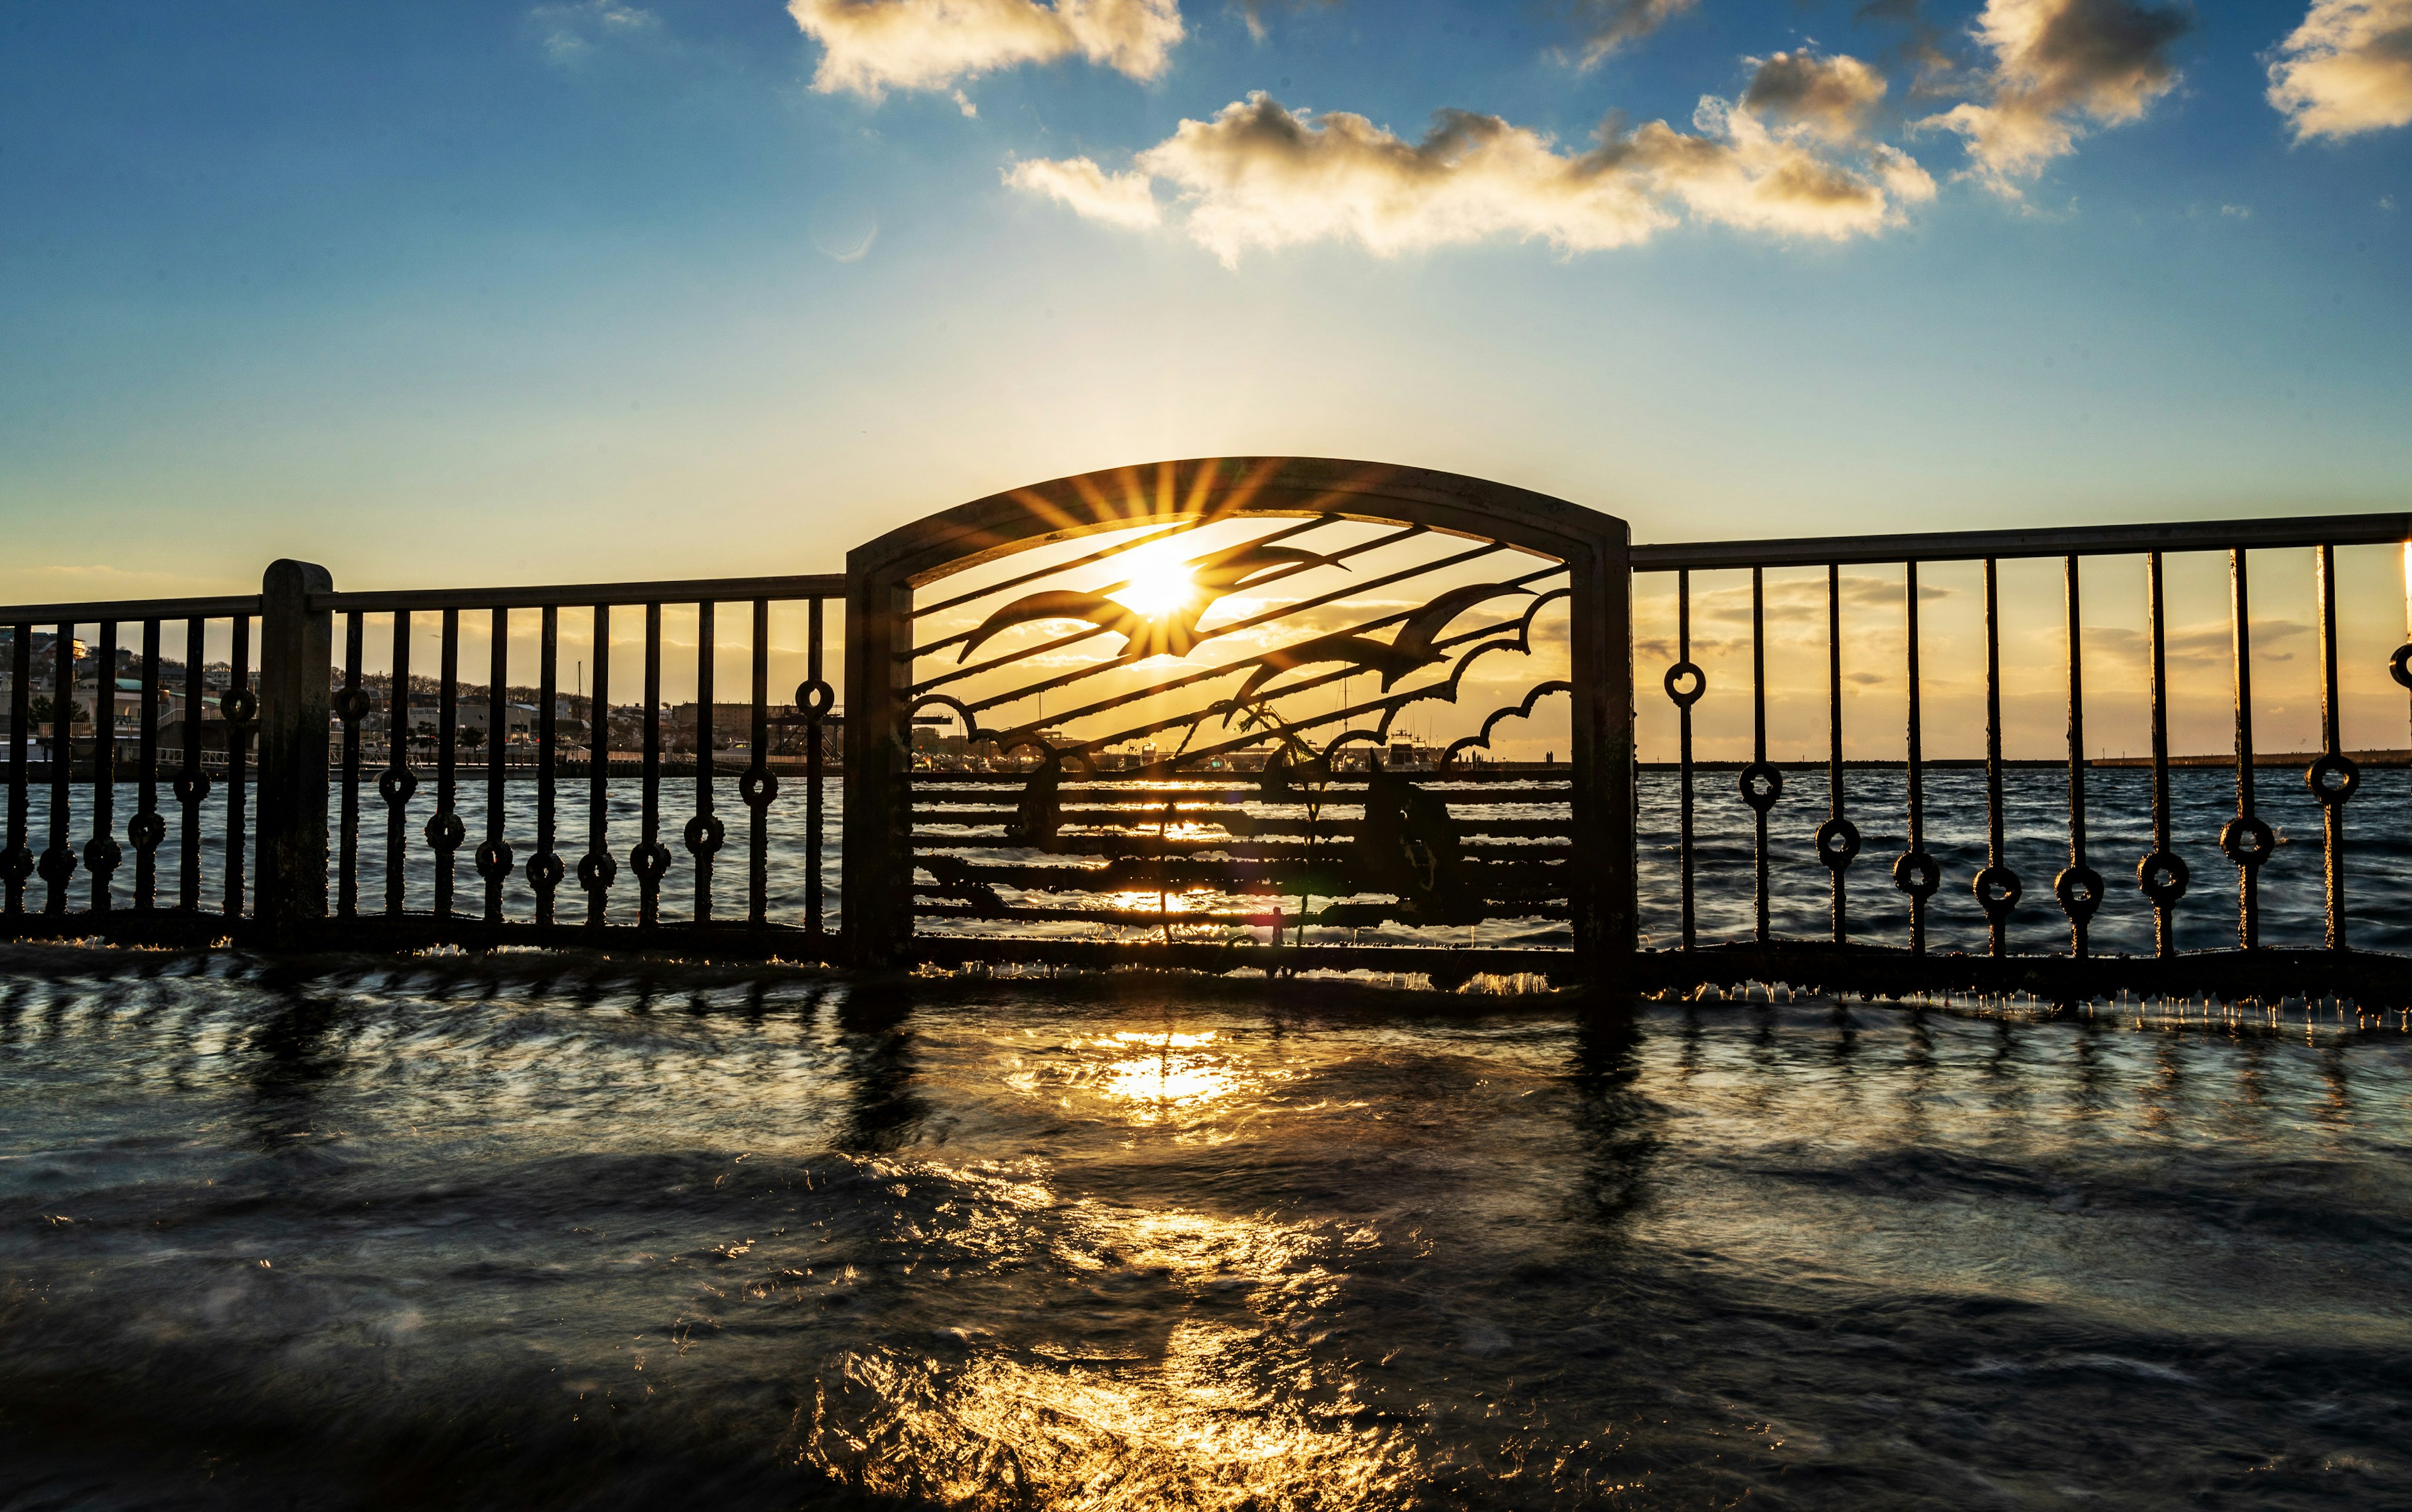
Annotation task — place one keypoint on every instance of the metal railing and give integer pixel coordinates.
(101, 853)
(270, 861)
(2161, 874)
(292, 720)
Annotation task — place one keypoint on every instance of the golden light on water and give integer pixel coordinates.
(1227, 1407)
(1176, 1072)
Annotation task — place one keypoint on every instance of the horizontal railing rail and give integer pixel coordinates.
(123, 610)
(2007, 544)
(2333, 774)
(585, 595)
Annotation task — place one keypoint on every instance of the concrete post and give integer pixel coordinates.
(295, 665)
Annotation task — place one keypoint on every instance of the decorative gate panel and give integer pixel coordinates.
(1273, 712)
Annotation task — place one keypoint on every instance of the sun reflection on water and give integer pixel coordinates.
(1225, 1407)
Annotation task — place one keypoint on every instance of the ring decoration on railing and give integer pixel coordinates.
(815, 698)
(1998, 890)
(239, 705)
(146, 830)
(597, 871)
(757, 786)
(1917, 874)
(102, 855)
(2332, 777)
(2399, 666)
(2079, 891)
(396, 783)
(353, 705)
(1762, 785)
(705, 834)
(191, 786)
(444, 831)
(16, 863)
(57, 864)
(494, 860)
(2247, 840)
(2162, 876)
(650, 860)
(545, 872)
(1838, 842)
(1697, 684)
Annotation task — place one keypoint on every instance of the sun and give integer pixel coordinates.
(1159, 589)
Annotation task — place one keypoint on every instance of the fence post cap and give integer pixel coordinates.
(286, 575)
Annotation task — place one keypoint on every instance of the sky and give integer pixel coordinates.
(452, 293)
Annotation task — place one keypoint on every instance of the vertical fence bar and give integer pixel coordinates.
(444, 825)
(240, 705)
(17, 863)
(58, 862)
(347, 842)
(815, 700)
(100, 850)
(2333, 777)
(544, 869)
(2238, 839)
(2162, 876)
(1760, 783)
(760, 785)
(1838, 842)
(1997, 885)
(704, 831)
(494, 854)
(1684, 750)
(597, 868)
(1915, 872)
(2079, 887)
(193, 781)
(650, 858)
(147, 828)
(399, 781)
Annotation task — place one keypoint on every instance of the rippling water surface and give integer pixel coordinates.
(539, 1231)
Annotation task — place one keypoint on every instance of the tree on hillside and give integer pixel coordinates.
(41, 710)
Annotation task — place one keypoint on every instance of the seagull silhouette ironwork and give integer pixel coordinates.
(1403, 653)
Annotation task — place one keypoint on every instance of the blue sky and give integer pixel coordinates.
(444, 293)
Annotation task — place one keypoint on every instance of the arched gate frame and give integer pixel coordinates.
(1587, 564)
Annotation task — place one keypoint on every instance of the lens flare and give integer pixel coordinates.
(1159, 589)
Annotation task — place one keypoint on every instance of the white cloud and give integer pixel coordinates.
(1606, 25)
(2059, 64)
(1259, 176)
(870, 47)
(1832, 96)
(2347, 69)
(1116, 198)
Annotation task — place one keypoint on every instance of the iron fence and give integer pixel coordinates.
(2332, 776)
(269, 841)
(307, 722)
